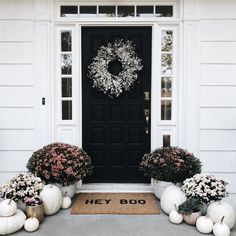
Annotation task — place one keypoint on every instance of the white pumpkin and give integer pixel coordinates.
(221, 229)
(170, 197)
(11, 224)
(217, 210)
(66, 201)
(175, 217)
(31, 224)
(7, 207)
(204, 224)
(52, 199)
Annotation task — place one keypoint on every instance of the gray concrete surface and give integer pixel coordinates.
(63, 224)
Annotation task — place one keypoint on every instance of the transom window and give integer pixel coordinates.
(66, 74)
(116, 11)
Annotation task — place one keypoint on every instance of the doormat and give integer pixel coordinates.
(116, 203)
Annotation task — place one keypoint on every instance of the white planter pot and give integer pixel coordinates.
(159, 187)
(69, 189)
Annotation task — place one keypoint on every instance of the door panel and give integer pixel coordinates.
(114, 128)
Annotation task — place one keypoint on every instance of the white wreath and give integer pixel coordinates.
(123, 52)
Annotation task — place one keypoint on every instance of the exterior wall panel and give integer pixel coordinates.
(16, 96)
(16, 53)
(218, 74)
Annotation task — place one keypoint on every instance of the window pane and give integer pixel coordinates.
(66, 64)
(166, 41)
(164, 11)
(88, 11)
(166, 64)
(166, 110)
(66, 87)
(166, 140)
(144, 11)
(66, 41)
(66, 110)
(107, 11)
(69, 11)
(166, 86)
(124, 11)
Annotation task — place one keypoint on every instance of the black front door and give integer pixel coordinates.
(116, 131)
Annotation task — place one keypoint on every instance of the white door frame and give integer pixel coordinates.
(158, 127)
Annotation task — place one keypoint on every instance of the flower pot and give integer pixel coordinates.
(191, 219)
(69, 189)
(35, 211)
(159, 187)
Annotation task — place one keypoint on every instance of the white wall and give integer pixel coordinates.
(24, 75)
(218, 90)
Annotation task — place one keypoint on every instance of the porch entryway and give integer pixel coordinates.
(116, 131)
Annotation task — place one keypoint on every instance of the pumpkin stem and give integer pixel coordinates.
(65, 194)
(221, 221)
(175, 207)
(9, 203)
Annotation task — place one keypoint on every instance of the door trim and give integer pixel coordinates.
(175, 128)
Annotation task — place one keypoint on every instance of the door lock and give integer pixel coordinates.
(146, 116)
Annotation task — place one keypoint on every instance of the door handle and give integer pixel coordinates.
(146, 116)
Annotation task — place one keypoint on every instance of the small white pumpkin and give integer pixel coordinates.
(217, 210)
(7, 207)
(11, 224)
(52, 199)
(170, 197)
(204, 224)
(31, 224)
(175, 217)
(221, 229)
(66, 201)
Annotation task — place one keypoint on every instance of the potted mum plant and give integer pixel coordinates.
(34, 208)
(61, 164)
(20, 187)
(206, 188)
(190, 210)
(168, 166)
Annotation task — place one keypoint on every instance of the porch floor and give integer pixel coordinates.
(63, 223)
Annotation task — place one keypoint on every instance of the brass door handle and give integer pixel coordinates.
(146, 115)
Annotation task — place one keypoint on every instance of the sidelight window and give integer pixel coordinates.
(166, 74)
(66, 75)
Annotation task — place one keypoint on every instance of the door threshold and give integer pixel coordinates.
(114, 188)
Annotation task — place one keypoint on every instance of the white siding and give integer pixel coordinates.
(16, 31)
(218, 90)
(20, 115)
(15, 9)
(24, 75)
(17, 53)
(217, 9)
(219, 74)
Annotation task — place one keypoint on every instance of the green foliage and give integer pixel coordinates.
(189, 206)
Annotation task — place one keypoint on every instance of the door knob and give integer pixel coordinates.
(146, 116)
